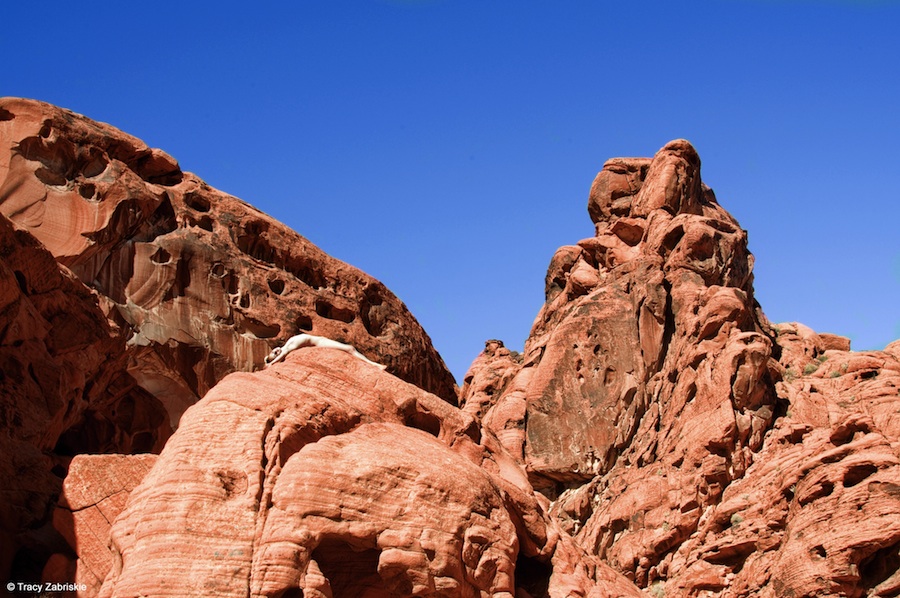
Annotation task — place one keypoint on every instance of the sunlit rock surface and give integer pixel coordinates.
(129, 289)
(325, 475)
(686, 441)
(205, 283)
(657, 433)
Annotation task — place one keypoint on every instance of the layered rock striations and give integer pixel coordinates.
(324, 476)
(657, 433)
(130, 288)
(684, 439)
(94, 493)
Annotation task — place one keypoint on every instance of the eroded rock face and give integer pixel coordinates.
(818, 513)
(203, 283)
(63, 383)
(95, 491)
(488, 377)
(651, 324)
(680, 442)
(128, 288)
(325, 474)
(650, 406)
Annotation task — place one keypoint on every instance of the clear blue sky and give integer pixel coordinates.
(447, 147)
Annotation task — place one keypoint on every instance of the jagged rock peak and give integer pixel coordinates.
(681, 436)
(636, 186)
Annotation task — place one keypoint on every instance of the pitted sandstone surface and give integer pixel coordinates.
(657, 433)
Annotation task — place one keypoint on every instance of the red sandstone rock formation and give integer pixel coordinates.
(324, 476)
(129, 288)
(685, 440)
(679, 439)
(64, 383)
(95, 491)
(818, 513)
(204, 283)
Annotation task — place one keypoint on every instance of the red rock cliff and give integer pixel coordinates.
(685, 440)
(130, 288)
(656, 433)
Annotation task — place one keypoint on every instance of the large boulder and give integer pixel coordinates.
(325, 476)
(94, 492)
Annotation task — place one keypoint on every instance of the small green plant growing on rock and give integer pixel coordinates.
(736, 520)
(790, 375)
(657, 589)
(810, 368)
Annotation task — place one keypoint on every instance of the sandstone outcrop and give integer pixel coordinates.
(818, 513)
(204, 283)
(657, 433)
(130, 288)
(64, 383)
(324, 476)
(656, 404)
(95, 491)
